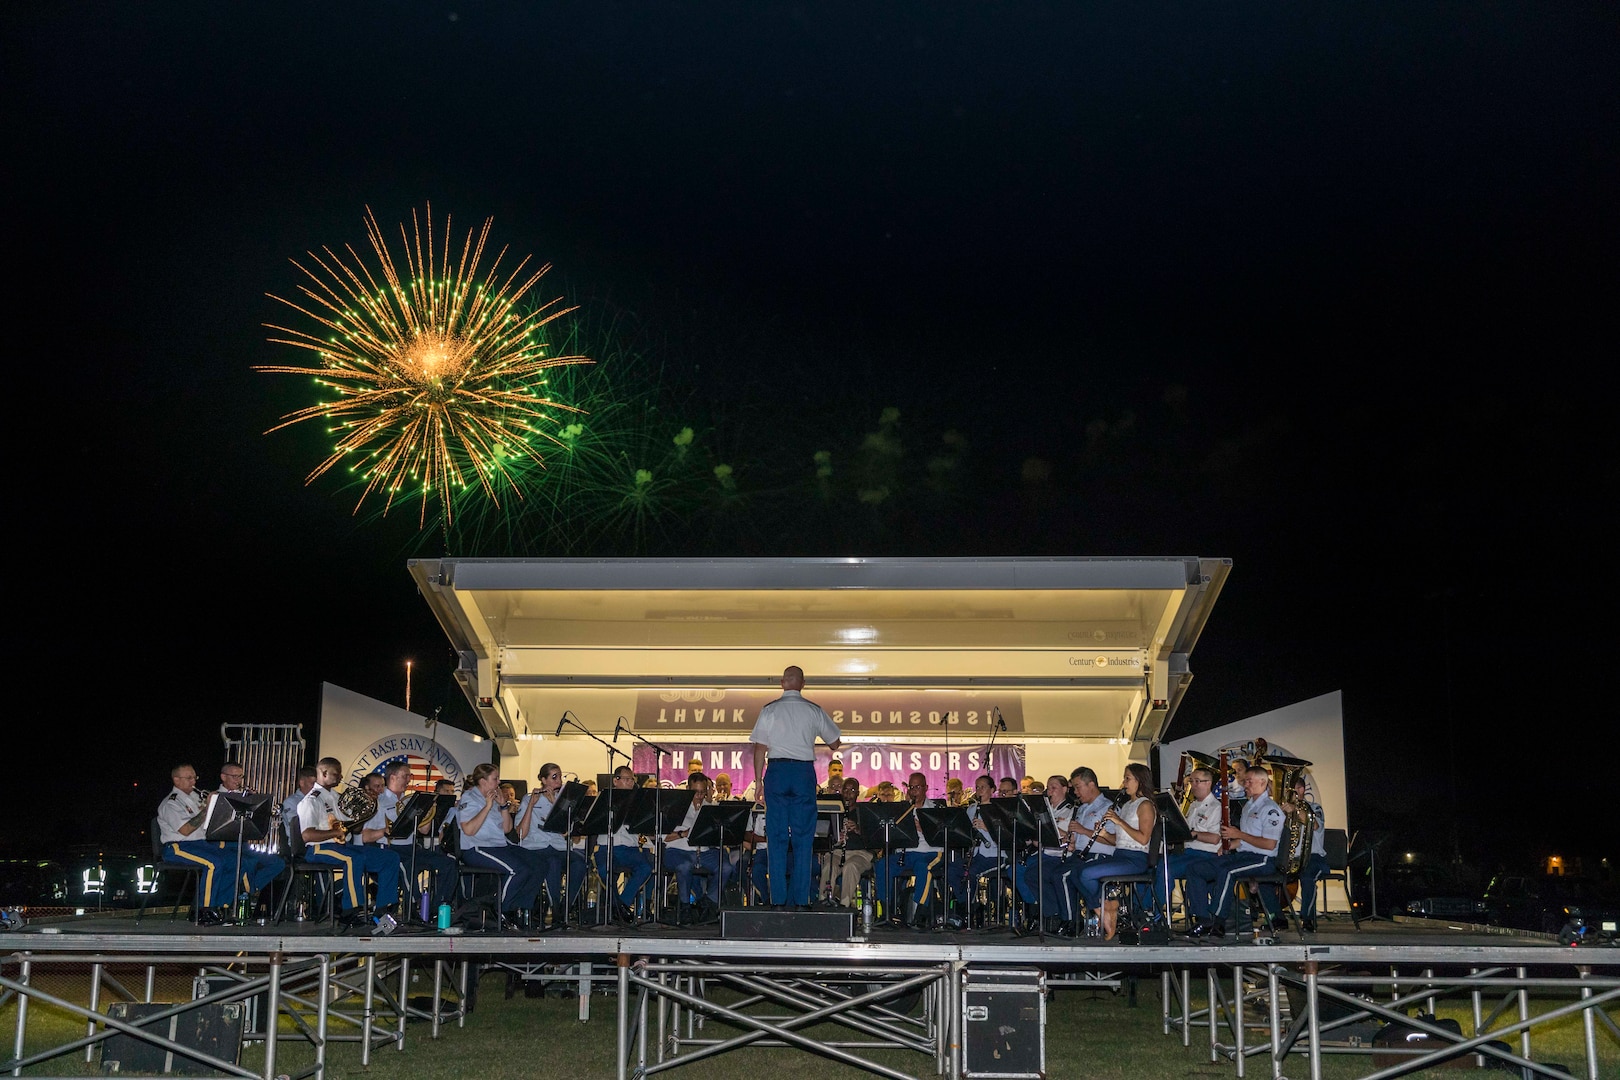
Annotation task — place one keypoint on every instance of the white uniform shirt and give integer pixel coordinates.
(318, 807)
(1132, 813)
(1204, 816)
(1263, 818)
(1088, 816)
(986, 846)
(682, 843)
(922, 833)
(387, 811)
(1061, 814)
(378, 820)
(789, 725)
(174, 812)
(756, 825)
(289, 809)
(538, 839)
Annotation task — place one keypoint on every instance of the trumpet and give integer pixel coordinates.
(202, 815)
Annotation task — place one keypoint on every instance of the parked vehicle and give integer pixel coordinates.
(33, 882)
(1424, 888)
(1548, 903)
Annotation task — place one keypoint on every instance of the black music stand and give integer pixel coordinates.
(237, 819)
(829, 825)
(947, 828)
(410, 813)
(1001, 820)
(652, 810)
(887, 823)
(723, 825)
(1032, 815)
(561, 820)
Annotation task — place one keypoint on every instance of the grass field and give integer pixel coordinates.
(1093, 1034)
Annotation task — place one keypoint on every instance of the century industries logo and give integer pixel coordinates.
(430, 762)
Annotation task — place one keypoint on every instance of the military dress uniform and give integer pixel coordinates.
(1202, 816)
(1048, 871)
(922, 862)
(788, 728)
(355, 860)
(554, 854)
(215, 860)
(415, 858)
(1210, 880)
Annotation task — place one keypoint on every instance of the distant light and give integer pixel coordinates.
(1411, 856)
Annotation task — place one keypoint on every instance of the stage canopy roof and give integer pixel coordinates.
(1092, 648)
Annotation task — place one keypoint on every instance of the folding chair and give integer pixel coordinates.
(161, 870)
(319, 875)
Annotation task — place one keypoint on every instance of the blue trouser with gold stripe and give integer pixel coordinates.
(921, 866)
(356, 861)
(216, 865)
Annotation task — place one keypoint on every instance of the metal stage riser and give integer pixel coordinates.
(347, 978)
(1243, 1008)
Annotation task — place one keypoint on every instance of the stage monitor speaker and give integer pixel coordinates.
(763, 924)
(215, 1030)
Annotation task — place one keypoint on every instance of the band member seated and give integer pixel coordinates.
(986, 854)
(1204, 821)
(920, 862)
(759, 854)
(416, 859)
(629, 861)
(1210, 880)
(1312, 866)
(324, 834)
(305, 781)
(1092, 832)
(1007, 788)
(835, 779)
(558, 859)
(722, 787)
(484, 816)
(681, 857)
(845, 865)
(1041, 878)
(180, 826)
(1133, 827)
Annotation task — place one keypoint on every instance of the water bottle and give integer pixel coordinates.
(425, 906)
(444, 916)
(1093, 925)
(865, 898)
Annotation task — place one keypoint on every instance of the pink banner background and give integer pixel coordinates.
(870, 764)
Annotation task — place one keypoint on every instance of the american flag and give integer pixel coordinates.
(423, 773)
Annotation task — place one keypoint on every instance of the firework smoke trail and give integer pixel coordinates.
(436, 372)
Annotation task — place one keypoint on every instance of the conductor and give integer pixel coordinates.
(787, 729)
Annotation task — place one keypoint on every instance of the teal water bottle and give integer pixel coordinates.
(444, 916)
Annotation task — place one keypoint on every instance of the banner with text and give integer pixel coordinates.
(879, 712)
(870, 764)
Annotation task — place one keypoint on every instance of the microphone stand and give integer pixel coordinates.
(989, 748)
(658, 826)
(608, 884)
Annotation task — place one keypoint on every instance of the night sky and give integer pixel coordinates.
(1322, 290)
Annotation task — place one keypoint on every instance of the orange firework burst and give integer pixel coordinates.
(437, 375)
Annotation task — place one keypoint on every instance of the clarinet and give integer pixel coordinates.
(1102, 823)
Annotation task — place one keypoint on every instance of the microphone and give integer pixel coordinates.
(618, 726)
(1000, 723)
(561, 722)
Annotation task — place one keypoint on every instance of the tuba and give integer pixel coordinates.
(1300, 825)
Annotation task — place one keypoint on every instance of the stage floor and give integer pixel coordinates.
(1336, 941)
